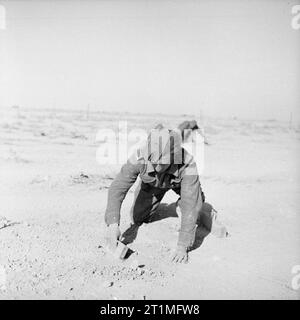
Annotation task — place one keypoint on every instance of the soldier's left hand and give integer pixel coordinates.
(180, 255)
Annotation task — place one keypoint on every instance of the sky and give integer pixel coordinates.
(236, 58)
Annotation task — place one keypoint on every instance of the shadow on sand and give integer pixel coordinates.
(165, 211)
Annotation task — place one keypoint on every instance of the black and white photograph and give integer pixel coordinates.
(149, 150)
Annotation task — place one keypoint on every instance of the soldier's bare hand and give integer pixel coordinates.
(180, 255)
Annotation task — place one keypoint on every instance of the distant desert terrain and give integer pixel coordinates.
(53, 196)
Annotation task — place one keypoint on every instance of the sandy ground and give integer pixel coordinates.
(53, 196)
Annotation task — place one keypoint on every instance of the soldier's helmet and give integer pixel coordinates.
(163, 146)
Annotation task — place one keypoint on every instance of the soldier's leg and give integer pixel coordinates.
(207, 218)
(146, 202)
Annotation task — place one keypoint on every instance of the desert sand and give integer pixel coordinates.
(53, 196)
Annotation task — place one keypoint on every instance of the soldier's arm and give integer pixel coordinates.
(118, 190)
(190, 205)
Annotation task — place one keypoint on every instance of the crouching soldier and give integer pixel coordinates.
(162, 164)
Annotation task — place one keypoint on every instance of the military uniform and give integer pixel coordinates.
(182, 178)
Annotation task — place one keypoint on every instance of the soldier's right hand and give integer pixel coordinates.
(112, 235)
